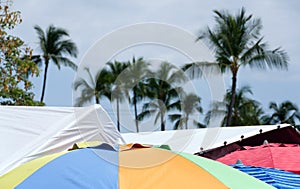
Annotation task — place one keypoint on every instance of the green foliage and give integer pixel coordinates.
(93, 88)
(105, 84)
(164, 91)
(133, 77)
(190, 103)
(285, 112)
(116, 86)
(246, 111)
(15, 62)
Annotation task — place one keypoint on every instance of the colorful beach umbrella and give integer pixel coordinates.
(278, 178)
(126, 167)
(272, 155)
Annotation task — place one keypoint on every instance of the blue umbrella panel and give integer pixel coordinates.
(278, 178)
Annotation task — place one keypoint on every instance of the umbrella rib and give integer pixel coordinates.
(272, 159)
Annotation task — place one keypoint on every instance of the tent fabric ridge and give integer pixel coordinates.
(58, 128)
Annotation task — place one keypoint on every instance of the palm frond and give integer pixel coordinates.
(277, 59)
(198, 124)
(54, 47)
(253, 50)
(81, 82)
(64, 61)
(68, 47)
(37, 59)
(42, 38)
(174, 117)
(218, 109)
(80, 101)
(273, 106)
(177, 77)
(197, 70)
(145, 114)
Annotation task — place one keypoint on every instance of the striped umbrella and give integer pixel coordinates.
(275, 177)
(125, 167)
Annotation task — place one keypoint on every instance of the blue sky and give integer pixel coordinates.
(89, 21)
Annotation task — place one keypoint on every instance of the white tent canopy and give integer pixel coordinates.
(30, 132)
(27, 133)
(190, 141)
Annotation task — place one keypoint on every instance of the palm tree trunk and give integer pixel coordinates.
(118, 115)
(135, 112)
(163, 127)
(97, 99)
(45, 79)
(232, 99)
(186, 122)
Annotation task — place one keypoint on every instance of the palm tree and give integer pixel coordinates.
(133, 77)
(163, 93)
(285, 112)
(246, 111)
(116, 85)
(237, 42)
(55, 48)
(139, 92)
(95, 88)
(189, 105)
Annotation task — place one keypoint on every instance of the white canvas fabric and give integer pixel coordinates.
(27, 133)
(191, 141)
